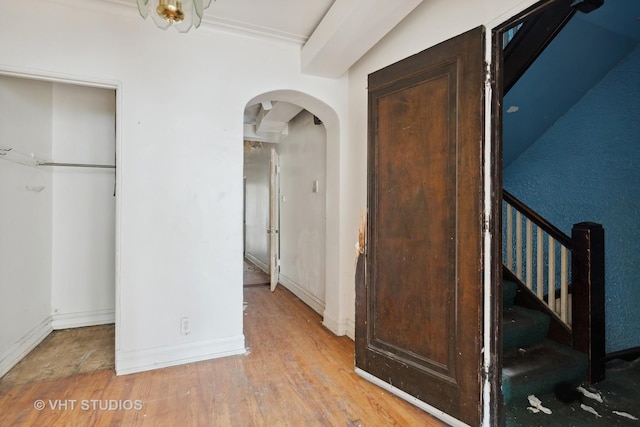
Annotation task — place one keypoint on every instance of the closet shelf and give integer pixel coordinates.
(77, 165)
(8, 153)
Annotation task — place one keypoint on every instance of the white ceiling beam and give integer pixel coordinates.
(348, 30)
(250, 134)
(275, 117)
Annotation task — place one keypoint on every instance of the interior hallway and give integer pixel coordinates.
(295, 373)
(253, 276)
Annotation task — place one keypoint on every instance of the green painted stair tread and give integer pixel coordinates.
(522, 327)
(509, 291)
(537, 369)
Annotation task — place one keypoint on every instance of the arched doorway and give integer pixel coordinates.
(312, 115)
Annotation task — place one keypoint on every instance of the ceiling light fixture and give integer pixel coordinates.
(181, 14)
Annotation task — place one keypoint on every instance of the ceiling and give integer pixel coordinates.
(324, 29)
(289, 20)
(586, 49)
(292, 20)
(332, 34)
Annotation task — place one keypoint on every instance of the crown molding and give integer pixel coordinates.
(222, 24)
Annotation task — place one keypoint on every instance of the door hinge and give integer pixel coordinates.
(488, 75)
(486, 223)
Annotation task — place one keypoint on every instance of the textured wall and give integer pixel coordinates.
(586, 167)
(537, 96)
(302, 212)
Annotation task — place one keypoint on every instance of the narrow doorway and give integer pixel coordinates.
(285, 170)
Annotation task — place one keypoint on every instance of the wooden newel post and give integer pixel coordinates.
(588, 299)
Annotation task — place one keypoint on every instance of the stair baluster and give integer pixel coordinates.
(573, 297)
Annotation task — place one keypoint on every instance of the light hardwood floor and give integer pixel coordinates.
(296, 374)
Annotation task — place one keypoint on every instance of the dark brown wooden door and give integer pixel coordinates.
(419, 305)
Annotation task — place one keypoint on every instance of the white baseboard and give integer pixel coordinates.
(163, 357)
(307, 297)
(346, 327)
(27, 343)
(414, 401)
(261, 265)
(351, 328)
(82, 319)
(332, 324)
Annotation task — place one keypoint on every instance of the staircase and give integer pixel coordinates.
(560, 335)
(533, 363)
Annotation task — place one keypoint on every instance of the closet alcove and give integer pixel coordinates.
(57, 211)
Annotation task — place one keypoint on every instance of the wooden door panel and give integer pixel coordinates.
(414, 210)
(419, 301)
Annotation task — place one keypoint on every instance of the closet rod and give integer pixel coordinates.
(76, 165)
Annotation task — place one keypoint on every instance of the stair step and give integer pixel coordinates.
(522, 327)
(509, 291)
(537, 369)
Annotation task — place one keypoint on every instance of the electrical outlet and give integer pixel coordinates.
(185, 326)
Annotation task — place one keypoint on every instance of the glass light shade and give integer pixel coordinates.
(180, 14)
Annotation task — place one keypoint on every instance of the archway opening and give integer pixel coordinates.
(305, 132)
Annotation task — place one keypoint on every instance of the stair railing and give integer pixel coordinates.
(565, 275)
(547, 274)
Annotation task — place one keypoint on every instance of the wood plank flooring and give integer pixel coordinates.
(296, 373)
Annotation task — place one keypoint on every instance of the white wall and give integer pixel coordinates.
(179, 142)
(25, 219)
(303, 212)
(83, 246)
(257, 174)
